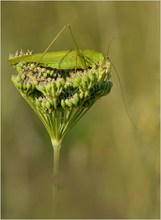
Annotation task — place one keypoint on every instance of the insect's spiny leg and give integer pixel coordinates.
(75, 44)
(60, 32)
(52, 42)
(88, 60)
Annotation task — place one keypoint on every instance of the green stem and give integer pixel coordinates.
(56, 150)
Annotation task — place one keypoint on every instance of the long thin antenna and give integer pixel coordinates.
(122, 92)
(123, 96)
(109, 45)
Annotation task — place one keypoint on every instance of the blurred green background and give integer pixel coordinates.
(109, 169)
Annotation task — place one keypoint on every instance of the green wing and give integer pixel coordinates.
(63, 59)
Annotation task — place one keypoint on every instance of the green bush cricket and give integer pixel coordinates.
(74, 59)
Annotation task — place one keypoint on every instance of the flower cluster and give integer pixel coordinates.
(51, 89)
(61, 95)
(20, 53)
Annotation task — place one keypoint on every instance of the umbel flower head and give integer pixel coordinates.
(60, 97)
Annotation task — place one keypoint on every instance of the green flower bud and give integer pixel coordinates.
(31, 77)
(43, 70)
(38, 69)
(86, 94)
(101, 75)
(68, 103)
(92, 77)
(32, 66)
(44, 75)
(81, 95)
(23, 76)
(43, 104)
(28, 86)
(75, 99)
(35, 82)
(48, 87)
(55, 103)
(40, 87)
(51, 73)
(48, 105)
(48, 72)
(30, 73)
(77, 81)
(39, 74)
(86, 79)
(25, 68)
(20, 64)
(63, 103)
(37, 103)
(18, 85)
(19, 69)
(58, 84)
(84, 85)
(24, 86)
(17, 78)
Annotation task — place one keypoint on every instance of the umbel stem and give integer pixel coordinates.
(56, 156)
(56, 150)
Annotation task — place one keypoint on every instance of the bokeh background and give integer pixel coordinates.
(109, 169)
